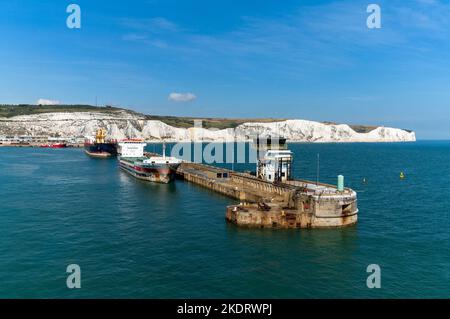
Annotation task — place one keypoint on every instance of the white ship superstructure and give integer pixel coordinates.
(152, 167)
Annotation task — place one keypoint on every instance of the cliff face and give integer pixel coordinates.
(126, 125)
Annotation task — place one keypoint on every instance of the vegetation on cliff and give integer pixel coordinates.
(7, 110)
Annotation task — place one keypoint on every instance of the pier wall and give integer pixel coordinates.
(286, 205)
(218, 187)
(240, 186)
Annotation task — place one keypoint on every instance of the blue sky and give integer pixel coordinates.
(313, 60)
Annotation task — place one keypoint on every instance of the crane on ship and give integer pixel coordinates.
(100, 136)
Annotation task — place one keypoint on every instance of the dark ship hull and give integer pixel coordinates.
(101, 150)
(152, 172)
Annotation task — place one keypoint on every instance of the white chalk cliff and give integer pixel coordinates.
(128, 125)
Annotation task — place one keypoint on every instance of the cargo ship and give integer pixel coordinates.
(146, 166)
(100, 147)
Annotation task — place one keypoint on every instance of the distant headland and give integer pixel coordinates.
(79, 121)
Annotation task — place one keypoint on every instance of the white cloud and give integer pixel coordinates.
(182, 97)
(47, 102)
(134, 37)
(428, 1)
(164, 24)
(155, 25)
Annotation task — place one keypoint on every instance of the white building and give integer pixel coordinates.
(274, 160)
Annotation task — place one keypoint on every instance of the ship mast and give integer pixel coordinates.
(164, 146)
(164, 149)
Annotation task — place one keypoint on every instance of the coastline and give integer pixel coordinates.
(38, 145)
(120, 125)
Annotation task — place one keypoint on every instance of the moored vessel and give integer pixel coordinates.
(100, 147)
(54, 145)
(145, 166)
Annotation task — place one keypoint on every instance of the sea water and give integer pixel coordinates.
(134, 239)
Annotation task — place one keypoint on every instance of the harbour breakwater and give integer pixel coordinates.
(290, 204)
(122, 124)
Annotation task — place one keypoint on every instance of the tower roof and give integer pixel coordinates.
(269, 142)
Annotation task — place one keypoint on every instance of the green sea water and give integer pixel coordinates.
(134, 239)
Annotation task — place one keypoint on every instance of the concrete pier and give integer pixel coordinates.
(290, 204)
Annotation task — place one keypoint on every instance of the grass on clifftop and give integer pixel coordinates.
(27, 109)
(183, 122)
(219, 123)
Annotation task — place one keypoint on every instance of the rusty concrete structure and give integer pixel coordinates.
(288, 204)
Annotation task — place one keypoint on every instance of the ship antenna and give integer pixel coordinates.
(164, 149)
(318, 168)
